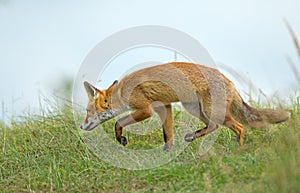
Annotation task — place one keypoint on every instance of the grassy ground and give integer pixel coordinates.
(47, 154)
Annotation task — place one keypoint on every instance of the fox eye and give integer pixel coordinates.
(105, 101)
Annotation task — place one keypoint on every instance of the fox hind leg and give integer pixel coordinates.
(195, 110)
(201, 132)
(235, 126)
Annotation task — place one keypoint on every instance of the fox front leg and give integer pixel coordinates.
(165, 115)
(134, 117)
(118, 130)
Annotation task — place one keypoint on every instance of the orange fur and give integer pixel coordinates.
(203, 91)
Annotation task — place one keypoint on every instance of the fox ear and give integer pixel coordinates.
(90, 90)
(110, 89)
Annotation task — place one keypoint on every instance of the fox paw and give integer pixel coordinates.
(123, 141)
(168, 145)
(238, 138)
(189, 137)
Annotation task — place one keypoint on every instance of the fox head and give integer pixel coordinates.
(100, 107)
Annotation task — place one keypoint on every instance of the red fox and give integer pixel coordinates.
(153, 89)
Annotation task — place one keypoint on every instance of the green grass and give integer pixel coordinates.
(47, 154)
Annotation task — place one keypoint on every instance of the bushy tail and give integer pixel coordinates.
(258, 118)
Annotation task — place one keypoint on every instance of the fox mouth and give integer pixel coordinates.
(88, 127)
(92, 123)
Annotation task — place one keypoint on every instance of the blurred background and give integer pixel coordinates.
(43, 43)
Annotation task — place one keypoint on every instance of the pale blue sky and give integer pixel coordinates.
(42, 41)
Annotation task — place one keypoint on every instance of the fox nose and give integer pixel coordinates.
(81, 127)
